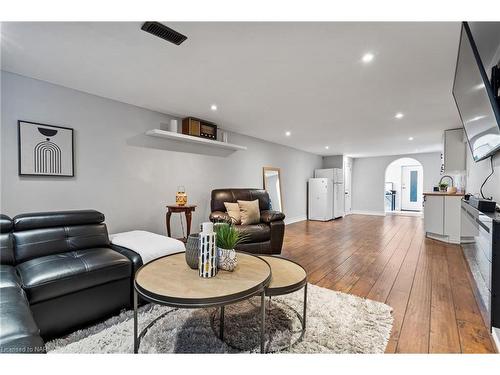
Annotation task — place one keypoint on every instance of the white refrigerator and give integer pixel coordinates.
(320, 199)
(338, 191)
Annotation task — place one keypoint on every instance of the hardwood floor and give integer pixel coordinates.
(388, 259)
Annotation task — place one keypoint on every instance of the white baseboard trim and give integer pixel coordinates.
(405, 213)
(375, 213)
(496, 337)
(295, 219)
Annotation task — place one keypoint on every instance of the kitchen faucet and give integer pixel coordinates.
(451, 178)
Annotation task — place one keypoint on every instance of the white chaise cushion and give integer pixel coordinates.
(147, 244)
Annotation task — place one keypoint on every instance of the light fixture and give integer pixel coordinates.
(479, 87)
(288, 133)
(410, 138)
(399, 115)
(367, 57)
(327, 147)
(213, 107)
(477, 118)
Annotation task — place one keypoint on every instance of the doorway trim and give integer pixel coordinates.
(408, 161)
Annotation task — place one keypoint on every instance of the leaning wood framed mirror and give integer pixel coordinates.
(272, 184)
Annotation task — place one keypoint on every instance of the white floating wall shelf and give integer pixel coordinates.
(191, 139)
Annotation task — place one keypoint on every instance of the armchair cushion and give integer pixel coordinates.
(268, 216)
(255, 233)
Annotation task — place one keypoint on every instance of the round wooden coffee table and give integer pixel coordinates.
(169, 281)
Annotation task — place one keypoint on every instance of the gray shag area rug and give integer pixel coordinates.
(336, 323)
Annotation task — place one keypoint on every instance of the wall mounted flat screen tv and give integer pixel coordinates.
(475, 99)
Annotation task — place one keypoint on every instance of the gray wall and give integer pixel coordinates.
(368, 175)
(487, 38)
(333, 161)
(127, 175)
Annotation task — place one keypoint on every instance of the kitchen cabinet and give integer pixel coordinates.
(442, 216)
(484, 261)
(452, 212)
(434, 214)
(454, 151)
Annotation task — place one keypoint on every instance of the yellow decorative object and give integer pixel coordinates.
(181, 196)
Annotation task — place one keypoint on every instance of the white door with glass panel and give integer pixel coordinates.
(411, 188)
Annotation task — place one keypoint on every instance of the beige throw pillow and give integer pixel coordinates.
(250, 212)
(233, 210)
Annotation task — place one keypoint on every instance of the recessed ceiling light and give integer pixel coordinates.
(368, 57)
(327, 147)
(399, 115)
(213, 107)
(410, 138)
(288, 134)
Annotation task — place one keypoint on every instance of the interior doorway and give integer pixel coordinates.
(347, 185)
(403, 190)
(411, 188)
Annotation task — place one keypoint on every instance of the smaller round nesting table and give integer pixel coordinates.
(287, 277)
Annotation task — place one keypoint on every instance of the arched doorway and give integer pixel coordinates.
(403, 190)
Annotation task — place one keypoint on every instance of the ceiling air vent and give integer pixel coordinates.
(164, 32)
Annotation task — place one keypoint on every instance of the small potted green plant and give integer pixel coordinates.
(227, 238)
(443, 186)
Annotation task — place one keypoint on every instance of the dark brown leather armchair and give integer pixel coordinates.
(265, 237)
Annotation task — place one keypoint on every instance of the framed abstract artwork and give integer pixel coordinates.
(45, 150)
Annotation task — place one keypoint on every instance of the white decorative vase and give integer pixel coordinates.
(207, 257)
(227, 259)
(173, 126)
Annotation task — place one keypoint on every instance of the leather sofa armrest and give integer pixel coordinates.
(218, 216)
(277, 235)
(131, 255)
(269, 216)
(137, 263)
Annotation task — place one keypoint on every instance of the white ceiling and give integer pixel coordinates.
(266, 78)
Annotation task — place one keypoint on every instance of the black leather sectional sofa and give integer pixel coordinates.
(58, 272)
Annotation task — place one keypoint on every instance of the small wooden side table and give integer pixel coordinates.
(188, 209)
